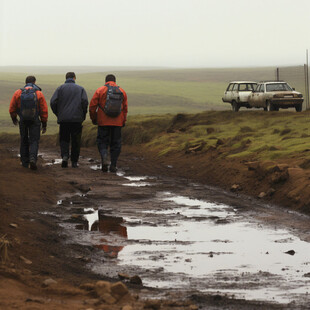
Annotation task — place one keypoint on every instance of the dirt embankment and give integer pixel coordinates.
(280, 182)
(264, 155)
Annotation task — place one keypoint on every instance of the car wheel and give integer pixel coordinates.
(235, 106)
(269, 106)
(298, 108)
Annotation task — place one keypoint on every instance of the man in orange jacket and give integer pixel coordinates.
(108, 109)
(30, 105)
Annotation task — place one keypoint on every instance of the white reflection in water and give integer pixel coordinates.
(137, 184)
(135, 179)
(56, 161)
(91, 217)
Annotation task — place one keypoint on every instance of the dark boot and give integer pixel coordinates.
(33, 164)
(104, 164)
(113, 169)
(64, 163)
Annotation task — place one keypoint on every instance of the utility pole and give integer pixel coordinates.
(307, 80)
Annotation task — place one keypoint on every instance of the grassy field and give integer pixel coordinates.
(158, 91)
(254, 134)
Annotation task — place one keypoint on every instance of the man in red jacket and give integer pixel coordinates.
(108, 109)
(30, 105)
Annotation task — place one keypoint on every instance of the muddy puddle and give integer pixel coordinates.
(185, 237)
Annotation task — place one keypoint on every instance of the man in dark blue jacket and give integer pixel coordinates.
(69, 103)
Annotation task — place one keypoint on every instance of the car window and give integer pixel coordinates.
(243, 87)
(230, 86)
(235, 87)
(257, 88)
(278, 87)
(262, 88)
(251, 86)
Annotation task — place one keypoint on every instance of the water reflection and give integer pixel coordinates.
(109, 226)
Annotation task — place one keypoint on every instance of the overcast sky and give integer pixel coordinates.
(165, 33)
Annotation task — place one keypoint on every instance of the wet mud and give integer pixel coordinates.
(182, 237)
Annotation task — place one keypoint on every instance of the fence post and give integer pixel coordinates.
(306, 71)
(307, 80)
(305, 96)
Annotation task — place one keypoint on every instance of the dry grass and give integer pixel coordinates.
(4, 245)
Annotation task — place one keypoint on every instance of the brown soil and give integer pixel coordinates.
(36, 251)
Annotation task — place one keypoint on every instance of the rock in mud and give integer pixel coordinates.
(12, 225)
(290, 252)
(110, 293)
(262, 195)
(123, 276)
(119, 290)
(135, 280)
(102, 287)
(48, 282)
(236, 187)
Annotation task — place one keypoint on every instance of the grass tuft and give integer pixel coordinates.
(4, 245)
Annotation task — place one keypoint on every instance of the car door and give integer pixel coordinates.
(261, 96)
(235, 93)
(253, 98)
(228, 94)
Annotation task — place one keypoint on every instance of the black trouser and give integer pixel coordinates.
(110, 136)
(73, 132)
(29, 141)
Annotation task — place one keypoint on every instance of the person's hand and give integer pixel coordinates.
(94, 121)
(123, 125)
(15, 121)
(43, 128)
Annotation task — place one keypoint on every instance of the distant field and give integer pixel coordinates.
(149, 91)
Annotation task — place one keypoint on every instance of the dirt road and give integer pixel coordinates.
(191, 245)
